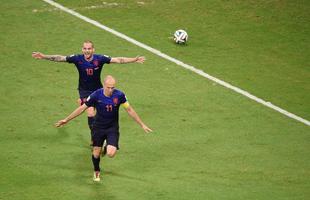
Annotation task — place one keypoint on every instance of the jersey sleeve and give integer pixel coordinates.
(105, 59)
(123, 98)
(71, 59)
(123, 101)
(91, 100)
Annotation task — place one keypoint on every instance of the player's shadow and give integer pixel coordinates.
(117, 174)
(51, 136)
(60, 134)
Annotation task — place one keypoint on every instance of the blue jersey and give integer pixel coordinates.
(89, 71)
(106, 107)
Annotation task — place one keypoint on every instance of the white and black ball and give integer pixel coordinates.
(180, 37)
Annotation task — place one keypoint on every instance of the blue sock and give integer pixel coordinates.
(96, 162)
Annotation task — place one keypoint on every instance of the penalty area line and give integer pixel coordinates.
(178, 62)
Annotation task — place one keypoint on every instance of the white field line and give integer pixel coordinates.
(184, 65)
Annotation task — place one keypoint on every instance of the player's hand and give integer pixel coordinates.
(61, 123)
(140, 59)
(37, 55)
(146, 129)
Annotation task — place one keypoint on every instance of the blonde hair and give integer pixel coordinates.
(89, 41)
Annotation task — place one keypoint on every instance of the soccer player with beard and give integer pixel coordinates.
(89, 66)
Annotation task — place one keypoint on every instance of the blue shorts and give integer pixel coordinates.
(84, 94)
(111, 135)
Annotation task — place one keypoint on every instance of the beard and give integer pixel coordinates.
(88, 55)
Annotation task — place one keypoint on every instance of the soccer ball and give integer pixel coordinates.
(180, 37)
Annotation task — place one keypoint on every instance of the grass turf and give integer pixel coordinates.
(209, 143)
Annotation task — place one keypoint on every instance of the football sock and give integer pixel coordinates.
(90, 122)
(96, 162)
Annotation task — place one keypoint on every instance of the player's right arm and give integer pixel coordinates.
(91, 101)
(73, 115)
(56, 58)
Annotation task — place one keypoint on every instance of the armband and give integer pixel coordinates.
(125, 105)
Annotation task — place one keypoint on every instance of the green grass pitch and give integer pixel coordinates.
(208, 141)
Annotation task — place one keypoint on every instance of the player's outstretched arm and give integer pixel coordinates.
(56, 58)
(73, 115)
(124, 60)
(132, 113)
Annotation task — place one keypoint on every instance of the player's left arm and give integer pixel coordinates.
(73, 115)
(124, 60)
(132, 113)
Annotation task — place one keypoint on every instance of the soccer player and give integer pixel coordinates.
(89, 66)
(107, 101)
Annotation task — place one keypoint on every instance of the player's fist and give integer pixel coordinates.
(37, 55)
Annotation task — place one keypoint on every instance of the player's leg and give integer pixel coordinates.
(96, 162)
(96, 158)
(104, 149)
(90, 116)
(84, 94)
(112, 141)
(91, 112)
(98, 138)
(111, 151)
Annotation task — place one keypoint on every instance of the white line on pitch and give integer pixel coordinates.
(184, 65)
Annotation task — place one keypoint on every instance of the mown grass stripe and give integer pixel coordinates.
(180, 63)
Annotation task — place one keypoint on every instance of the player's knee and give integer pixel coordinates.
(96, 155)
(91, 112)
(111, 152)
(96, 152)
